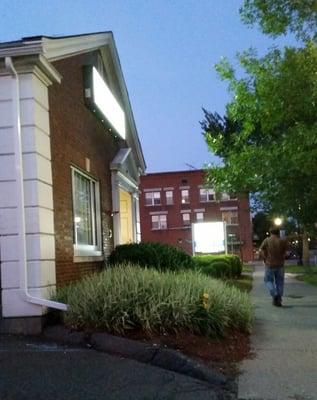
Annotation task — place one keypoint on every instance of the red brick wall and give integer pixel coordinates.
(76, 134)
(177, 234)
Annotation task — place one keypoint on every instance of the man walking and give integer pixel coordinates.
(273, 250)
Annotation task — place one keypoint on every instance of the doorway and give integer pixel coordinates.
(126, 223)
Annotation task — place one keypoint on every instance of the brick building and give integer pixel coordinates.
(171, 201)
(70, 161)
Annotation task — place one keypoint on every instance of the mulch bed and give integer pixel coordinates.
(220, 354)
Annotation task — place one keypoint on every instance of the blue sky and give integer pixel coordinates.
(167, 48)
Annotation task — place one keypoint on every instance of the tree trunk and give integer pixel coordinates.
(305, 248)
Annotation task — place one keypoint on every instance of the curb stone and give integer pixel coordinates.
(152, 354)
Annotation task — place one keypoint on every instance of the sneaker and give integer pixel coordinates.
(277, 301)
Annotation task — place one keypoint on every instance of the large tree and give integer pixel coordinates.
(277, 17)
(268, 138)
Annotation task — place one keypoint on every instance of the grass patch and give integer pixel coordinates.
(247, 269)
(305, 273)
(309, 278)
(128, 297)
(244, 282)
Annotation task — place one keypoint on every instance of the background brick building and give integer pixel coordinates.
(171, 201)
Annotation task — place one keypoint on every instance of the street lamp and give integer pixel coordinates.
(278, 221)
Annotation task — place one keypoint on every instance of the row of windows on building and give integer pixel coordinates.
(154, 198)
(159, 221)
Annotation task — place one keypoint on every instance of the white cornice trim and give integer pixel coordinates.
(120, 158)
(60, 48)
(38, 65)
(128, 180)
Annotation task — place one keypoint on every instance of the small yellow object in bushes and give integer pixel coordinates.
(205, 301)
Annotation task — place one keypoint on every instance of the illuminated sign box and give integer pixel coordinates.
(100, 99)
(209, 237)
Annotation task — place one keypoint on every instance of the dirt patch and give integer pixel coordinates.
(220, 354)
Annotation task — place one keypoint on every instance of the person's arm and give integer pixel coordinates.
(263, 250)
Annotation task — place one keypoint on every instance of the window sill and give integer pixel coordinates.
(82, 259)
(228, 200)
(83, 251)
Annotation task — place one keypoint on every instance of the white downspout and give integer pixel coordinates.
(20, 198)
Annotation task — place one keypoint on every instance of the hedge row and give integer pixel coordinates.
(157, 255)
(164, 257)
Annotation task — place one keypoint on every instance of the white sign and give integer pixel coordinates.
(209, 237)
(107, 103)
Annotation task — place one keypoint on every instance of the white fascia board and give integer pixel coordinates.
(127, 103)
(120, 158)
(60, 48)
(21, 49)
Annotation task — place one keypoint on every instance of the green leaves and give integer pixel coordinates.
(268, 138)
(277, 17)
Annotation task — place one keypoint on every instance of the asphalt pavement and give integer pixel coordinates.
(284, 344)
(42, 369)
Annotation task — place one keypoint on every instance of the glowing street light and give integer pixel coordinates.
(278, 221)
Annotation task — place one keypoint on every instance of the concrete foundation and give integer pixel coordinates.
(22, 326)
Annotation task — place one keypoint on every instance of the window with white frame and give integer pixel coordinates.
(86, 211)
(185, 196)
(169, 197)
(159, 222)
(206, 195)
(186, 218)
(152, 198)
(230, 217)
(227, 196)
(199, 216)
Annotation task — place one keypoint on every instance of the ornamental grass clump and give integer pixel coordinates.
(128, 297)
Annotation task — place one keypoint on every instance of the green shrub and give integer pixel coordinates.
(219, 266)
(157, 255)
(237, 266)
(129, 297)
(218, 269)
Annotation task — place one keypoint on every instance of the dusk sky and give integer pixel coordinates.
(167, 48)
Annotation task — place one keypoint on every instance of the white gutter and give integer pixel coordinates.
(20, 199)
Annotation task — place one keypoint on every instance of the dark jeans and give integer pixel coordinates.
(274, 280)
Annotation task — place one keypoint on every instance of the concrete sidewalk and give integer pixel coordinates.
(284, 341)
